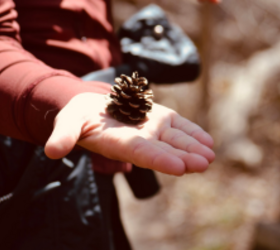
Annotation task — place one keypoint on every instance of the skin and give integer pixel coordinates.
(165, 142)
(211, 1)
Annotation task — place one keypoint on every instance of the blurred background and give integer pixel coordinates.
(237, 100)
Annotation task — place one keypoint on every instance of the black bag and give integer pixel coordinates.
(53, 204)
(157, 48)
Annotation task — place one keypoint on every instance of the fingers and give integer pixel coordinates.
(192, 162)
(180, 140)
(141, 152)
(150, 155)
(63, 138)
(212, 1)
(192, 129)
(158, 156)
(162, 157)
(203, 137)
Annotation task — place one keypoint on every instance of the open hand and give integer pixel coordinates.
(165, 142)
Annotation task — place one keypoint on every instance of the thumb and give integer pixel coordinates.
(63, 138)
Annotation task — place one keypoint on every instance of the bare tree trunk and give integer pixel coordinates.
(207, 23)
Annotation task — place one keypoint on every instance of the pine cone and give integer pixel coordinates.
(130, 99)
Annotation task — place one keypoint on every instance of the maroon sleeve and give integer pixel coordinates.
(31, 93)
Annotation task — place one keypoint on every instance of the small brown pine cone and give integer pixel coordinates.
(130, 99)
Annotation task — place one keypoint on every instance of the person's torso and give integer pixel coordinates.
(75, 35)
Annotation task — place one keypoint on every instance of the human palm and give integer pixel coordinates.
(165, 142)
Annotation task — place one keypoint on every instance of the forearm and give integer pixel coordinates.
(33, 93)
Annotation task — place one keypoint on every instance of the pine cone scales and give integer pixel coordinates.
(130, 99)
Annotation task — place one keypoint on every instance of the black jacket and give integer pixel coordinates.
(55, 204)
